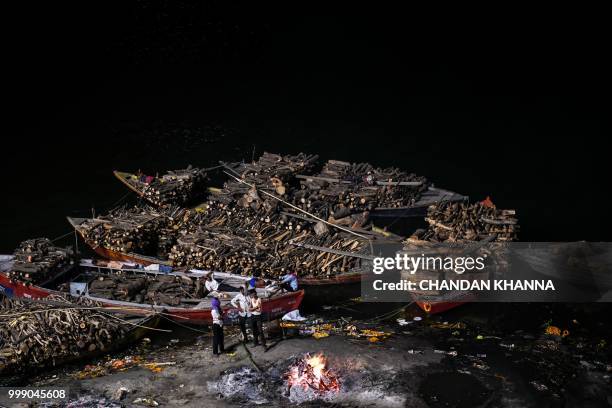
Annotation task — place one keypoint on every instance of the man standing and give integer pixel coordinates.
(211, 285)
(241, 302)
(217, 316)
(256, 319)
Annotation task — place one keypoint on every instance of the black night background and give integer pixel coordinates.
(514, 111)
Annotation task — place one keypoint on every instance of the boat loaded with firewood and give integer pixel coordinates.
(459, 229)
(177, 294)
(281, 214)
(307, 254)
(144, 291)
(176, 186)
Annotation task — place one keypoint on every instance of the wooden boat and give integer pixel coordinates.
(442, 302)
(131, 181)
(198, 311)
(139, 186)
(114, 255)
(59, 275)
(419, 209)
(273, 306)
(319, 290)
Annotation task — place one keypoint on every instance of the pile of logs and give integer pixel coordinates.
(34, 334)
(244, 227)
(37, 260)
(134, 229)
(176, 187)
(158, 289)
(271, 245)
(273, 172)
(472, 222)
(343, 188)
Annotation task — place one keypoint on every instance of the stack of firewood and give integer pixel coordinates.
(345, 188)
(37, 260)
(273, 172)
(134, 229)
(242, 227)
(36, 334)
(272, 251)
(176, 187)
(158, 289)
(460, 221)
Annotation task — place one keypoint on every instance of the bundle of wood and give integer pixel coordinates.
(461, 221)
(230, 237)
(134, 229)
(343, 188)
(40, 334)
(37, 260)
(153, 289)
(271, 248)
(176, 187)
(216, 251)
(271, 171)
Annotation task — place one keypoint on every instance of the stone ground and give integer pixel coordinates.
(462, 359)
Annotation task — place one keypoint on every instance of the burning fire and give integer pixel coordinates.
(311, 372)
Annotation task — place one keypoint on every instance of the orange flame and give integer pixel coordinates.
(312, 372)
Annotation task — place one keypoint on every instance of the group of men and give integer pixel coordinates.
(249, 307)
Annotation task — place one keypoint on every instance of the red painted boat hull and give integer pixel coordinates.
(319, 290)
(348, 286)
(18, 289)
(438, 307)
(271, 308)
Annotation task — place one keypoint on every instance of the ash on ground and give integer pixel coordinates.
(358, 386)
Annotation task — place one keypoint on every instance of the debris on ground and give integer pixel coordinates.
(147, 402)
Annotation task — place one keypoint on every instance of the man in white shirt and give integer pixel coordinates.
(211, 285)
(242, 302)
(217, 318)
(256, 319)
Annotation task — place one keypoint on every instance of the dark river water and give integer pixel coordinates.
(163, 85)
(72, 174)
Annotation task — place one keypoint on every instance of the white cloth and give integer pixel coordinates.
(242, 303)
(255, 306)
(217, 318)
(294, 316)
(211, 285)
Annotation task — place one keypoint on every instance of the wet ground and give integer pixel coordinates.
(476, 355)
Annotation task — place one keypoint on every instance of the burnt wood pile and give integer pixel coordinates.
(166, 290)
(176, 187)
(37, 260)
(134, 229)
(472, 222)
(36, 334)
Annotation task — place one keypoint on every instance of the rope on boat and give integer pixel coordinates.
(182, 325)
(62, 236)
(298, 208)
(136, 324)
